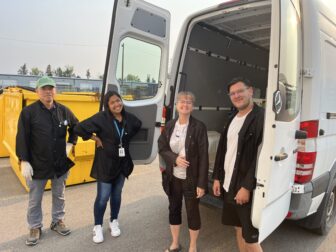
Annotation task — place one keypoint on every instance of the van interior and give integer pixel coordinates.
(221, 47)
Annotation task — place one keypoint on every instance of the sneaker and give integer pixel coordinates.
(34, 236)
(115, 230)
(98, 234)
(60, 228)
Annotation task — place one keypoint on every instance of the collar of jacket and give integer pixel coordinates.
(253, 112)
(111, 117)
(190, 130)
(250, 117)
(248, 120)
(54, 106)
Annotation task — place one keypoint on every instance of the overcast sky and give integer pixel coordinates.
(68, 32)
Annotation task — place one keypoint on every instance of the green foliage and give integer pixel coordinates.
(48, 71)
(69, 71)
(59, 72)
(23, 70)
(131, 77)
(35, 71)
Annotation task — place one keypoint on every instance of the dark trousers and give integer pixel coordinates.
(177, 191)
(239, 216)
(106, 191)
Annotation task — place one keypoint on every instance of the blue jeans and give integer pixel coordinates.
(106, 191)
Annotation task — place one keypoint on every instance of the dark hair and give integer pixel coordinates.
(246, 82)
(107, 97)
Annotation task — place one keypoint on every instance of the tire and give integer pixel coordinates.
(329, 213)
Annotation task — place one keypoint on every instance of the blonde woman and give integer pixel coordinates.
(183, 145)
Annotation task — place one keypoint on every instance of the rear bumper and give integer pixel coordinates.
(300, 206)
(300, 203)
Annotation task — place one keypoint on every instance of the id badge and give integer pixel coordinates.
(121, 152)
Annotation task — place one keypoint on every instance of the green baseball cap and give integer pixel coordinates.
(45, 81)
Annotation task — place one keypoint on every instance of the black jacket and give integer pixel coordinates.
(107, 164)
(41, 139)
(249, 139)
(196, 147)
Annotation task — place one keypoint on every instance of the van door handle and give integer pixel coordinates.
(280, 157)
(301, 134)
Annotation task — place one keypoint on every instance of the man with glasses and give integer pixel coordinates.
(43, 153)
(235, 165)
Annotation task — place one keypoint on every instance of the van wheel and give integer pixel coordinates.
(329, 213)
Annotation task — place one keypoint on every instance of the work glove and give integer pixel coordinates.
(26, 170)
(68, 148)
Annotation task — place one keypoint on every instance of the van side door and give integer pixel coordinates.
(136, 67)
(277, 159)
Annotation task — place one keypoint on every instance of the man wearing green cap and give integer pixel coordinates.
(43, 153)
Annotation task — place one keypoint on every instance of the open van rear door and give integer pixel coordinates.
(136, 67)
(277, 159)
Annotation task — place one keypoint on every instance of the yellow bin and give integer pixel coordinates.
(3, 150)
(83, 105)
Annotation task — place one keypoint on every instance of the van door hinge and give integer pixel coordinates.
(307, 73)
(127, 3)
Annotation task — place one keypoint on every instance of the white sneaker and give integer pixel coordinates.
(115, 230)
(98, 234)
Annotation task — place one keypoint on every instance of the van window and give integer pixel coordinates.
(290, 63)
(138, 69)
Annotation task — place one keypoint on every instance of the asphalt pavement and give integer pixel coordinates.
(143, 220)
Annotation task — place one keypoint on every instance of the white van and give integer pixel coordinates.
(286, 48)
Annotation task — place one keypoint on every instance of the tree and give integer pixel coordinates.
(23, 69)
(59, 72)
(69, 71)
(153, 80)
(131, 77)
(148, 78)
(35, 71)
(88, 74)
(48, 71)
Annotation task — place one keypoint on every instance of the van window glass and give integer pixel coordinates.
(138, 69)
(290, 63)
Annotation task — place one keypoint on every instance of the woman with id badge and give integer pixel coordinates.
(112, 130)
(183, 148)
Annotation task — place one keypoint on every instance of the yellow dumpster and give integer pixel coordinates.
(3, 150)
(82, 105)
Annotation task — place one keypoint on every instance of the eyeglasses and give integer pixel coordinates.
(238, 92)
(185, 102)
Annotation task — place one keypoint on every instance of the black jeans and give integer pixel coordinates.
(177, 191)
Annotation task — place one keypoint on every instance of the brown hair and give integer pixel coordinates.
(246, 82)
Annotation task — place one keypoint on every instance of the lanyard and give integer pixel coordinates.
(119, 133)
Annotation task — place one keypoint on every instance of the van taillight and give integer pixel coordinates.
(306, 156)
(289, 214)
(311, 127)
(305, 167)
